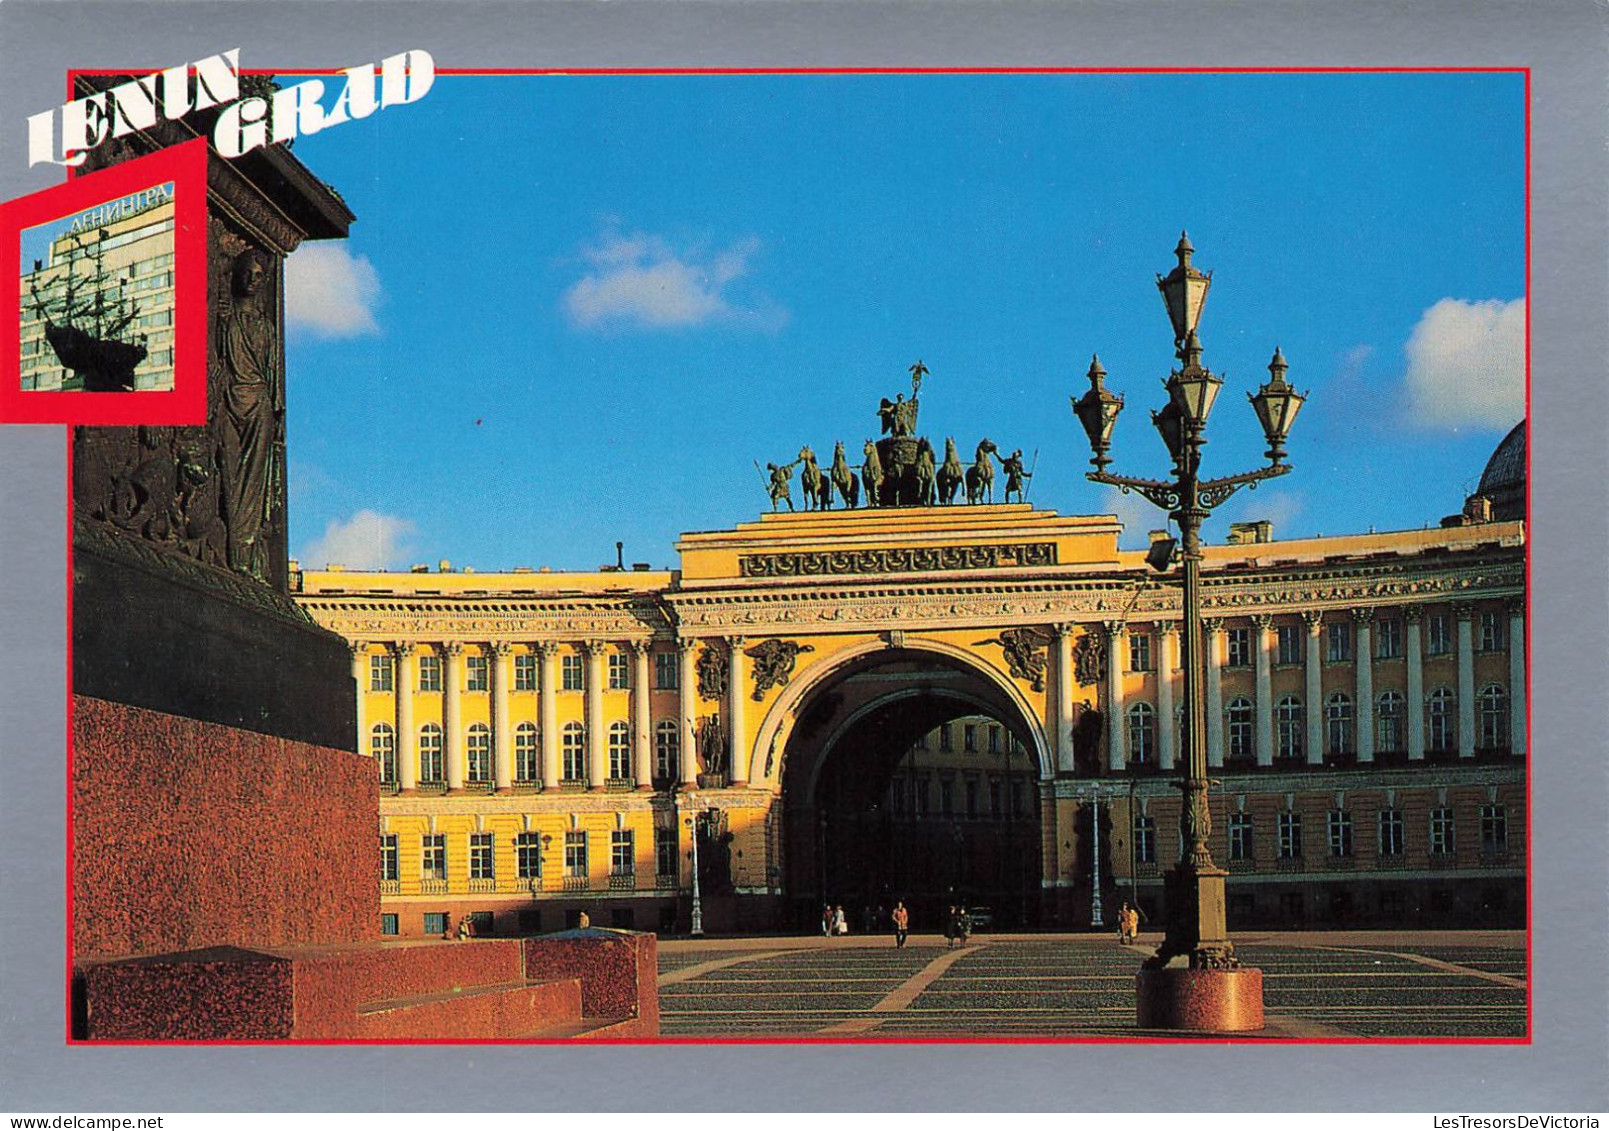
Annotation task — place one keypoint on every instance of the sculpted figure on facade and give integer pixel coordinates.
(712, 670)
(1089, 658)
(1025, 654)
(773, 664)
(244, 376)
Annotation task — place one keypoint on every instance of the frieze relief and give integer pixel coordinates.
(897, 559)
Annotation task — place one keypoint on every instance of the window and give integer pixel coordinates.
(1290, 725)
(1017, 794)
(1142, 734)
(1388, 723)
(433, 857)
(972, 797)
(667, 750)
(994, 797)
(1338, 636)
(388, 924)
(994, 740)
(525, 671)
(383, 746)
(1338, 723)
(574, 749)
(479, 752)
(1140, 652)
(622, 853)
(946, 796)
(1493, 638)
(921, 743)
(435, 922)
(619, 671)
(572, 673)
(1388, 639)
(575, 855)
(1391, 834)
(1290, 836)
(1441, 832)
(969, 738)
(1145, 840)
(665, 674)
(945, 741)
(919, 799)
(528, 856)
(527, 753)
(477, 672)
(1340, 832)
(430, 760)
(480, 856)
(429, 672)
(1494, 830)
(665, 852)
(1438, 641)
(1492, 705)
(619, 752)
(380, 672)
(1240, 836)
(1439, 724)
(389, 868)
(1289, 638)
(1239, 647)
(1242, 745)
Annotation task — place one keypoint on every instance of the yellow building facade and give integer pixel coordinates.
(552, 743)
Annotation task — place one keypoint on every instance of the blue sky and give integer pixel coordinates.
(576, 309)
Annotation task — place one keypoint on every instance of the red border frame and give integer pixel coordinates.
(909, 1040)
(186, 403)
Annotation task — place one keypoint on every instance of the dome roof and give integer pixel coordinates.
(1503, 481)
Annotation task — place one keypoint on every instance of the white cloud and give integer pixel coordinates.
(331, 293)
(640, 281)
(1466, 364)
(1137, 514)
(367, 540)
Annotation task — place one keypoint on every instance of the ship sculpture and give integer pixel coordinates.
(87, 318)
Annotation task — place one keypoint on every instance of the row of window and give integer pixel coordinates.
(1339, 641)
(1390, 837)
(477, 672)
(1290, 724)
(996, 738)
(527, 752)
(917, 790)
(528, 854)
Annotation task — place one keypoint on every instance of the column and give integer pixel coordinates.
(1261, 626)
(548, 710)
(1516, 676)
(1313, 686)
(501, 663)
(1167, 646)
(1064, 698)
(687, 689)
(407, 680)
(1212, 643)
(597, 738)
(736, 684)
(641, 733)
(1116, 721)
(360, 684)
(1466, 679)
(1363, 715)
(452, 723)
(1415, 706)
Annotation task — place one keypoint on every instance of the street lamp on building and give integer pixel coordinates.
(1096, 916)
(1213, 992)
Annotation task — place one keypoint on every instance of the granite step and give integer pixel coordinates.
(480, 1012)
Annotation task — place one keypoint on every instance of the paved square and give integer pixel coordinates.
(1335, 986)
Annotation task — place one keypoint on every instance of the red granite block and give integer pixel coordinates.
(1208, 1001)
(218, 993)
(332, 986)
(618, 971)
(189, 834)
(495, 1011)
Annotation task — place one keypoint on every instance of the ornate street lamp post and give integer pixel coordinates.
(1213, 991)
(694, 825)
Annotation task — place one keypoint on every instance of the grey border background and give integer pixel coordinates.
(1564, 1070)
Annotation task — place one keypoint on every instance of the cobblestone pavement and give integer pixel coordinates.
(1328, 987)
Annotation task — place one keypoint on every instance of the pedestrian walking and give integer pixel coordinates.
(963, 926)
(840, 924)
(902, 925)
(952, 925)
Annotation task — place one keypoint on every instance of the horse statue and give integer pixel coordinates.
(925, 473)
(843, 479)
(980, 476)
(951, 474)
(810, 479)
(871, 474)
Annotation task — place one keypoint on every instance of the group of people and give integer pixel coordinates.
(958, 926)
(1128, 923)
(835, 922)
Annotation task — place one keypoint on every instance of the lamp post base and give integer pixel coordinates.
(1209, 1001)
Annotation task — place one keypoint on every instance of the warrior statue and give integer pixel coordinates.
(779, 490)
(1016, 476)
